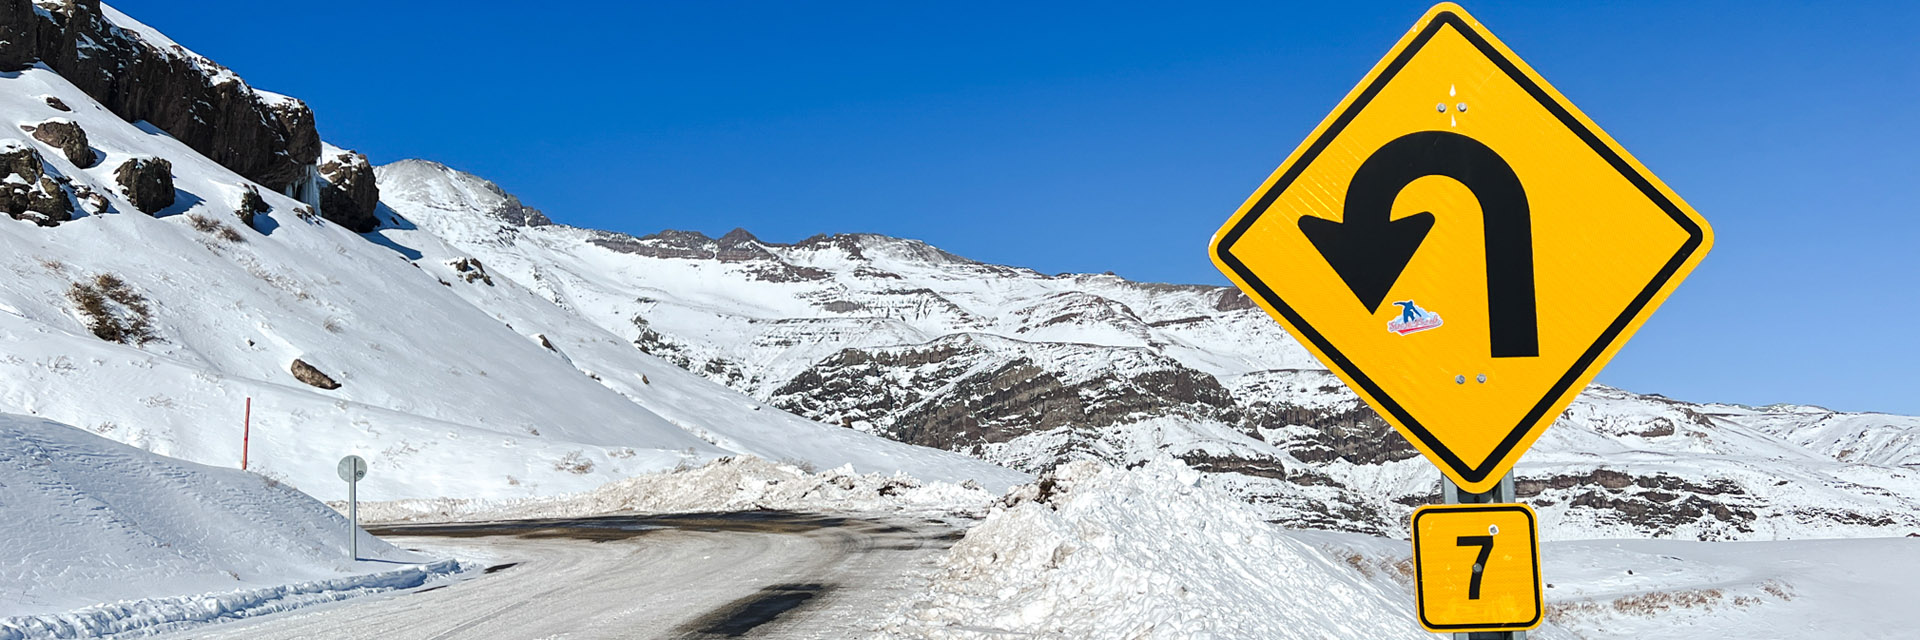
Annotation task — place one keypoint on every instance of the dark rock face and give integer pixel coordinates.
(514, 213)
(348, 194)
(21, 160)
(267, 139)
(977, 405)
(69, 138)
(1659, 503)
(1257, 467)
(306, 373)
(147, 182)
(17, 31)
(737, 246)
(303, 139)
(1232, 300)
(1355, 434)
(38, 196)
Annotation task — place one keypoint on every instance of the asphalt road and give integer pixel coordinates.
(722, 575)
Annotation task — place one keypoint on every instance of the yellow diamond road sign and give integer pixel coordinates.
(1462, 246)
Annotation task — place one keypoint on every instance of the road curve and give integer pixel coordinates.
(763, 574)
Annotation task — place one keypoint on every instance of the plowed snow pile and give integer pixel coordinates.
(102, 538)
(729, 484)
(1097, 552)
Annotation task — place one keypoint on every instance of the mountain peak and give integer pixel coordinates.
(441, 188)
(737, 238)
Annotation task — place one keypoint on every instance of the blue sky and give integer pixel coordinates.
(1116, 136)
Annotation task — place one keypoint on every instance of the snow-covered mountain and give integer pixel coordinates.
(898, 338)
(152, 290)
(166, 271)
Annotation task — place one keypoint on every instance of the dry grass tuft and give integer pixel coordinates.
(212, 227)
(574, 463)
(113, 311)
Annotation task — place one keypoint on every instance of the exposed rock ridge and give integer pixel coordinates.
(140, 75)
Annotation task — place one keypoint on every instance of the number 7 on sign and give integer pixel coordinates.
(1462, 582)
(1479, 564)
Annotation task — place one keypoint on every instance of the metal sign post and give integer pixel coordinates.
(352, 469)
(1502, 493)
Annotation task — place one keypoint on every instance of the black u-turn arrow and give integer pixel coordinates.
(1369, 250)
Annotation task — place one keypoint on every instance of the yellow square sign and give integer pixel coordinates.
(1476, 567)
(1462, 246)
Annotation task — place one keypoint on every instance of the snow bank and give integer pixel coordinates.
(1686, 590)
(728, 484)
(162, 541)
(1092, 551)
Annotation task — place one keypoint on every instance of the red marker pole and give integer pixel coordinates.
(246, 434)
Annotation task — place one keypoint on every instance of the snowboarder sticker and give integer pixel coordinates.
(1413, 319)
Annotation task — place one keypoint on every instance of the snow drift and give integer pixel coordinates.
(1091, 551)
(103, 538)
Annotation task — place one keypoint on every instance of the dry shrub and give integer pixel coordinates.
(574, 463)
(1659, 601)
(113, 311)
(212, 227)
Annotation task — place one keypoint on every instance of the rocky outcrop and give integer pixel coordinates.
(67, 136)
(472, 271)
(513, 212)
(1232, 300)
(303, 138)
(349, 195)
(307, 373)
(960, 392)
(28, 191)
(267, 138)
(737, 246)
(18, 30)
(1717, 509)
(147, 183)
(1354, 434)
(251, 205)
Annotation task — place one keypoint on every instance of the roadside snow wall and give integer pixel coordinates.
(1092, 551)
(104, 538)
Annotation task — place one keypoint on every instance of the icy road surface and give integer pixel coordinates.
(748, 574)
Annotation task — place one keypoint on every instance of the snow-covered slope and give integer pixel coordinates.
(102, 537)
(154, 330)
(899, 338)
